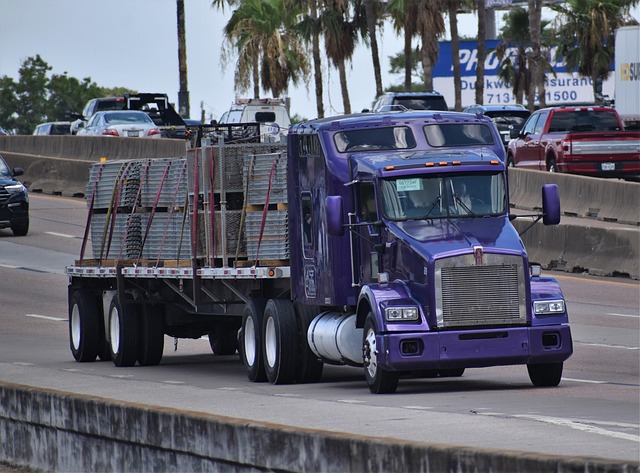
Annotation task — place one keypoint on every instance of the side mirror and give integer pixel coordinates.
(17, 171)
(550, 204)
(335, 215)
(514, 133)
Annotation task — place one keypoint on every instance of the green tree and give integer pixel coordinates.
(585, 30)
(31, 95)
(36, 98)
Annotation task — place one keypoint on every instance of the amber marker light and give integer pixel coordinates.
(443, 163)
(457, 163)
(429, 165)
(495, 161)
(272, 272)
(389, 168)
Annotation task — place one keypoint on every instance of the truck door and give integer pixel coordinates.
(368, 233)
(527, 146)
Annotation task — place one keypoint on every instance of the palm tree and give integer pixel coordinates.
(482, 51)
(340, 39)
(269, 52)
(453, 6)
(586, 34)
(404, 19)
(514, 68)
(371, 13)
(535, 58)
(430, 24)
(183, 93)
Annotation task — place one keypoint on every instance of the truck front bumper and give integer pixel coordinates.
(474, 348)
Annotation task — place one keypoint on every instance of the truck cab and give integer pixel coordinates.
(421, 257)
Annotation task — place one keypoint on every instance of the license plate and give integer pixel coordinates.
(608, 166)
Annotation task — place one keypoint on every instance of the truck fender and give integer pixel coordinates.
(370, 297)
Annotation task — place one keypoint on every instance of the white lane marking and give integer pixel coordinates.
(23, 363)
(173, 382)
(584, 425)
(37, 316)
(10, 266)
(286, 395)
(605, 345)
(624, 315)
(64, 235)
(417, 408)
(351, 401)
(581, 426)
(583, 380)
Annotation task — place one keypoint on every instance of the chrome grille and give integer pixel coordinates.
(489, 294)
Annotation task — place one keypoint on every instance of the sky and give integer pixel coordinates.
(133, 44)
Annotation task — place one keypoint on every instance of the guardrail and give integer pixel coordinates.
(48, 430)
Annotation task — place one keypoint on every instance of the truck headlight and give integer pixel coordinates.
(394, 314)
(548, 307)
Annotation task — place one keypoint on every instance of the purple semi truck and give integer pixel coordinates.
(375, 240)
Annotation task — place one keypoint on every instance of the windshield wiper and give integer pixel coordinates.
(435, 202)
(464, 206)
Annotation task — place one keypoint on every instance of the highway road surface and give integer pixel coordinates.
(594, 412)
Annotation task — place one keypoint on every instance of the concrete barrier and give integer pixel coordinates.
(61, 431)
(605, 199)
(59, 165)
(584, 248)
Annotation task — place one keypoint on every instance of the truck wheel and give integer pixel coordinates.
(545, 374)
(310, 366)
(551, 165)
(379, 380)
(84, 325)
(123, 333)
(224, 341)
(251, 340)
(280, 342)
(151, 342)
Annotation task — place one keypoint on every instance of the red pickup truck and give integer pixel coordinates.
(578, 140)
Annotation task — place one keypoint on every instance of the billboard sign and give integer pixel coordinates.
(565, 88)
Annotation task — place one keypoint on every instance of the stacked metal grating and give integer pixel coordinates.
(131, 191)
(274, 244)
(266, 173)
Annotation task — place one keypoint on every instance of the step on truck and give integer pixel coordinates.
(382, 241)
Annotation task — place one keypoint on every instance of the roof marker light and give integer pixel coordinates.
(443, 163)
(429, 165)
(456, 163)
(389, 168)
(494, 161)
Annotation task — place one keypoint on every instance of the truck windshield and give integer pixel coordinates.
(443, 196)
(397, 137)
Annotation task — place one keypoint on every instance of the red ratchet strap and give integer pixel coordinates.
(266, 205)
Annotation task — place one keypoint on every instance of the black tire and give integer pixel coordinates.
(551, 165)
(310, 366)
(21, 227)
(451, 373)
(123, 333)
(84, 325)
(151, 342)
(545, 374)
(379, 380)
(224, 341)
(251, 340)
(279, 342)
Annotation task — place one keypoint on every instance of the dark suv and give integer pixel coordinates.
(400, 101)
(506, 117)
(14, 200)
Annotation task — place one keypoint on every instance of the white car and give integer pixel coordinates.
(124, 123)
